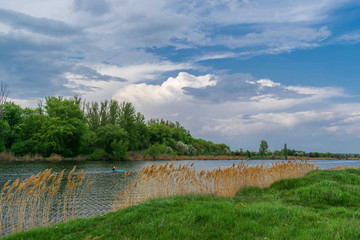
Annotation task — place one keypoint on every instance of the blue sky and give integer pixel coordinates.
(230, 71)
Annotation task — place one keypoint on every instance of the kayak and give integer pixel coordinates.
(113, 171)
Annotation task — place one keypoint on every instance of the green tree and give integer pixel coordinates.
(12, 114)
(285, 151)
(64, 126)
(92, 115)
(127, 118)
(264, 148)
(142, 132)
(159, 133)
(248, 154)
(241, 152)
(29, 137)
(88, 142)
(4, 131)
(113, 139)
(119, 149)
(157, 149)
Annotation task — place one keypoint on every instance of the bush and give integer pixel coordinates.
(157, 149)
(180, 147)
(119, 150)
(25, 147)
(99, 154)
(183, 148)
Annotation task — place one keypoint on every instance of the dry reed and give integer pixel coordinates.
(54, 158)
(5, 156)
(344, 167)
(29, 203)
(166, 180)
(32, 158)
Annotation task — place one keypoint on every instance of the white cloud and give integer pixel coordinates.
(292, 119)
(319, 92)
(169, 91)
(140, 72)
(135, 40)
(265, 122)
(348, 119)
(182, 24)
(263, 11)
(51, 9)
(285, 37)
(267, 83)
(25, 102)
(350, 37)
(264, 113)
(216, 56)
(4, 28)
(332, 128)
(92, 89)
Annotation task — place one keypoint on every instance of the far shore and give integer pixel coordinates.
(137, 156)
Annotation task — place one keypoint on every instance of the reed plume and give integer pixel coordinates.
(28, 203)
(165, 180)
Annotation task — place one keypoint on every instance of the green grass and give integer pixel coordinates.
(321, 205)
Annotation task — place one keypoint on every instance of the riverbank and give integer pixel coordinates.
(138, 156)
(322, 205)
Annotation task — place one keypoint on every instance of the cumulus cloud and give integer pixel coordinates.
(124, 41)
(170, 90)
(269, 105)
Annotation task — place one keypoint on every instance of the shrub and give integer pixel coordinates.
(157, 149)
(99, 154)
(119, 149)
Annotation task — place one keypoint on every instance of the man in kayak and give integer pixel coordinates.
(114, 168)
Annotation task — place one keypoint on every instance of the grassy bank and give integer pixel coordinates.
(321, 205)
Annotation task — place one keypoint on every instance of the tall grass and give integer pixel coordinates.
(27, 203)
(166, 180)
(5, 156)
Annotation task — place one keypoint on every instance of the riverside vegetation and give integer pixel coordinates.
(100, 131)
(30, 202)
(324, 204)
(166, 180)
(78, 130)
(27, 203)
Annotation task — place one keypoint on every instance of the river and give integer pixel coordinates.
(101, 196)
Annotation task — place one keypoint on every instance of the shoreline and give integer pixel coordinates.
(136, 156)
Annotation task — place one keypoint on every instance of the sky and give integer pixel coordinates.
(232, 72)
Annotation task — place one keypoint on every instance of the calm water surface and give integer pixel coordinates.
(106, 185)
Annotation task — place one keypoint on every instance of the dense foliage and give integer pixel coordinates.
(105, 130)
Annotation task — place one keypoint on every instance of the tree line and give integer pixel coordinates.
(265, 152)
(101, 130)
